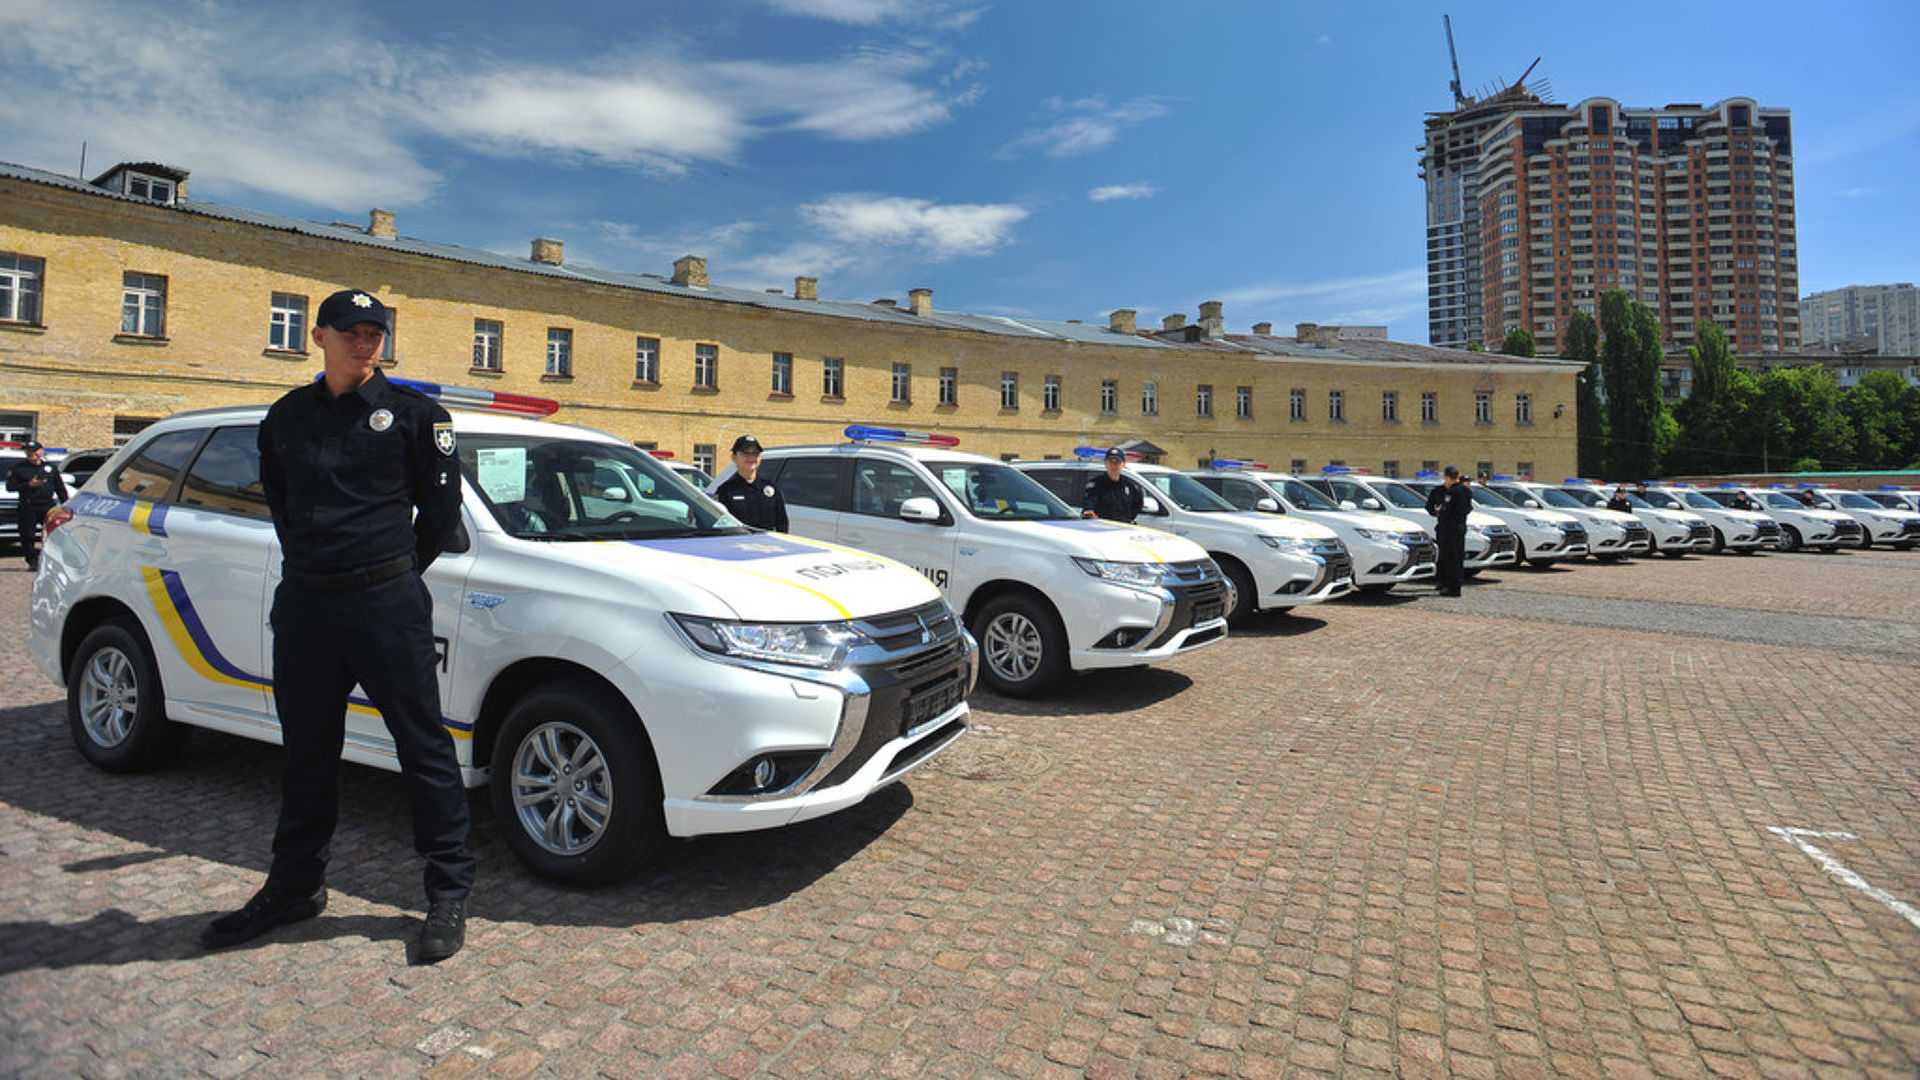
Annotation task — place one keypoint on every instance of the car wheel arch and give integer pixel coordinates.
(523, 677)
(989, 591)
(88, 614)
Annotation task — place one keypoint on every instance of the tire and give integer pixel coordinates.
(1866, 538)
(1023, 648)
(1475, 572)
(1246, 602)
(1789, 539)
(585, 723)
(112, 667)
(1719, 541)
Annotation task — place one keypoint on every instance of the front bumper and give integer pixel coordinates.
(1557, 544)
(1378, 563)
(1161, 623)
(1332, 578)
(1500, 551)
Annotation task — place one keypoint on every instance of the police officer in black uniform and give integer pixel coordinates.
(1109, 495)
(1450, 503)
(1619, 501)
(364, 488)
(755, 502)
(41, 488)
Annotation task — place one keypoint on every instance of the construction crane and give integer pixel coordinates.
(1459, 99)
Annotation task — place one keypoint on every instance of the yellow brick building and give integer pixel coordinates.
(121, 300)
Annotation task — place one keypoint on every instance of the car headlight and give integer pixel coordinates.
(1378, 535)
(815, 645)
(1140, 575)
(1542, 523)
(1289, 544)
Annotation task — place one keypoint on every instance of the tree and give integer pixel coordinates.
(1879, 411)
(1583, 345)
(1800, 418)
(1706, 441)
(1630, 357)
(1519, 342)
(1474, 346)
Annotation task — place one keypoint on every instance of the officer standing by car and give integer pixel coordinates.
(364, 488)
(1450, 503)
(1619, 501)
(745, 496)
(40, 487)
(1109, 496)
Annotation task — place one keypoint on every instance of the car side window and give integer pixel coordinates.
(226, 475)
(811, 481)
(879, 487)
(1243, 494)
(1066, 485)
(150, 473)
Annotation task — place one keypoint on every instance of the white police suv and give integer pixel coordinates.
(1544, 537)
(1672, 533)
(1744, 531)
(619, 659)
(1385, 550)
(1273, 564)
(1045, 591)
(1800, 525)
(1879, 524)
(1894, 497)
(1610, 534)
(693, 474)
(1489, 542)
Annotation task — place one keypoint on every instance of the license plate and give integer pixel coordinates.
(1208, 611)
(930, 703)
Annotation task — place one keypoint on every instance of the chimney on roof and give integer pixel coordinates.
(1121, 320)
(380, 224)
(1304, 332)
(1263, 329)
(550, 252)
(690, 270)
(1173, 322)
(1326, 335)
(885, 301)
(1212, 321)
(806, 288)
(921, 301)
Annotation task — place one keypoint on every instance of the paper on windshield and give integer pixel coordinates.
(503, 473)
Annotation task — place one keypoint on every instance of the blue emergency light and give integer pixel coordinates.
(473, 397)
(1099, 453)
(1236, 463)
(869, 433)
(1426, 474)
(1502, 478)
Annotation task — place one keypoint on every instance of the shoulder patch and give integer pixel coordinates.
(443, 437)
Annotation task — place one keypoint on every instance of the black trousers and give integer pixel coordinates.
(31, 514)
(382, 638)
(1452, 542)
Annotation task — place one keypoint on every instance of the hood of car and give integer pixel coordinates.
(1111, 541)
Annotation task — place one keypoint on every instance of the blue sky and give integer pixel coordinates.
(1038, 158)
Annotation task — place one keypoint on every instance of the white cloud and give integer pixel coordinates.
(1110, 192)
(940, 230)
(1087, 125)
(1381, 298)
(940, 16)
(1856, 192)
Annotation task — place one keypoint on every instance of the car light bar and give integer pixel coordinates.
(663, 455)
(1426, 474)
(869, 433)
(1337, 470)
(1577, 480)
(1099, 453)
(474, 397)
(51, 450)
(1235, 463)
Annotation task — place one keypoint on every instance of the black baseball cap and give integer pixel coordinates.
(32, 446)
(746, 444)
(349, 308)
(1114, 453)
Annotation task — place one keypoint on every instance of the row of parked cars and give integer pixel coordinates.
(726, 679)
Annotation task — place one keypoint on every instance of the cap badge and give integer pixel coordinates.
(361, 299)
(381, 420)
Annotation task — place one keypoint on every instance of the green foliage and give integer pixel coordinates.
(1583, 344)
(1709, 417)
(1519, 342)
(1630, 357)
(1474, 346)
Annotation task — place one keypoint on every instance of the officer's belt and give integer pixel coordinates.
(349, 580)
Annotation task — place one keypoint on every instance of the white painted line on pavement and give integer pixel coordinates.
(1838, 871)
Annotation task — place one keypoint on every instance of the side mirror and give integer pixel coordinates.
(1533, 504)
(1267, 506)
(1370, 504)
(1348, 504)
(615, 494)
(920, 508)
(1150, 505)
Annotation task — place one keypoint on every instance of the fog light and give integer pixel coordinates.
(763, 773)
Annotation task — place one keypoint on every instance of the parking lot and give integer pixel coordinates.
(1652, 819)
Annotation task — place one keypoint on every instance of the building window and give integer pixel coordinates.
(487, 335)
(287, 327)
(1296, 404)
(1390, 469)
(387, 346)
(1109, 397)
(1149, 399)
(560, 352)
(1524, 469)
(143, 305)
(703, 457)
(1429, 408)
(1009, 389)
(1203, 400)
(1483, 469)
(150, 188)
(1050, 394)
(1243, 402)
(126, 427)
(833, 377)
(902, 383)
(783, 374)
(1431, 466)
(646, 359)
(706, 367)
(20, 277)
(1337, 406)
(1523, 409)
(1298, 466)
(1482, 407)
(1390, 406)
(949, 386)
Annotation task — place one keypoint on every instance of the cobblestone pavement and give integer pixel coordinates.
(1483, 837)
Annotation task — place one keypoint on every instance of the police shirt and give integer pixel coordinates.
(1115, 500)
(344, 475)
(52, 488)
(1451, 505)
(758, 504)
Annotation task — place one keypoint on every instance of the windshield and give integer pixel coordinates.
(1858, 502)
(1814, 498)
(1585, 496)
(555, 488)
(1557, 498)
(1694, 498)
(1400, 496)
(1487, 498)
(1187, 493)
(1301, 496)
(999, 492)
(1660, 500)
(1891, 502)
(1775, 499)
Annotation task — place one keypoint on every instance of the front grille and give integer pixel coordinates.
(1199, 595)
(1505, 545)
(929, 623)
(1767, 528)
(1846, 528)
(1338, 566)
(1637, 533)
(1700, 532)
(1422, 551)
(1574, 534)
(1910, 528)
(1206, 602)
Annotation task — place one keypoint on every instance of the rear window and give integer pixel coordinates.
(810, 481)
(1067, 485)
(152, 471)
(226, 475)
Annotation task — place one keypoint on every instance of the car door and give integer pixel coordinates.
(206, 573)
(811, 485)
(872, 520)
